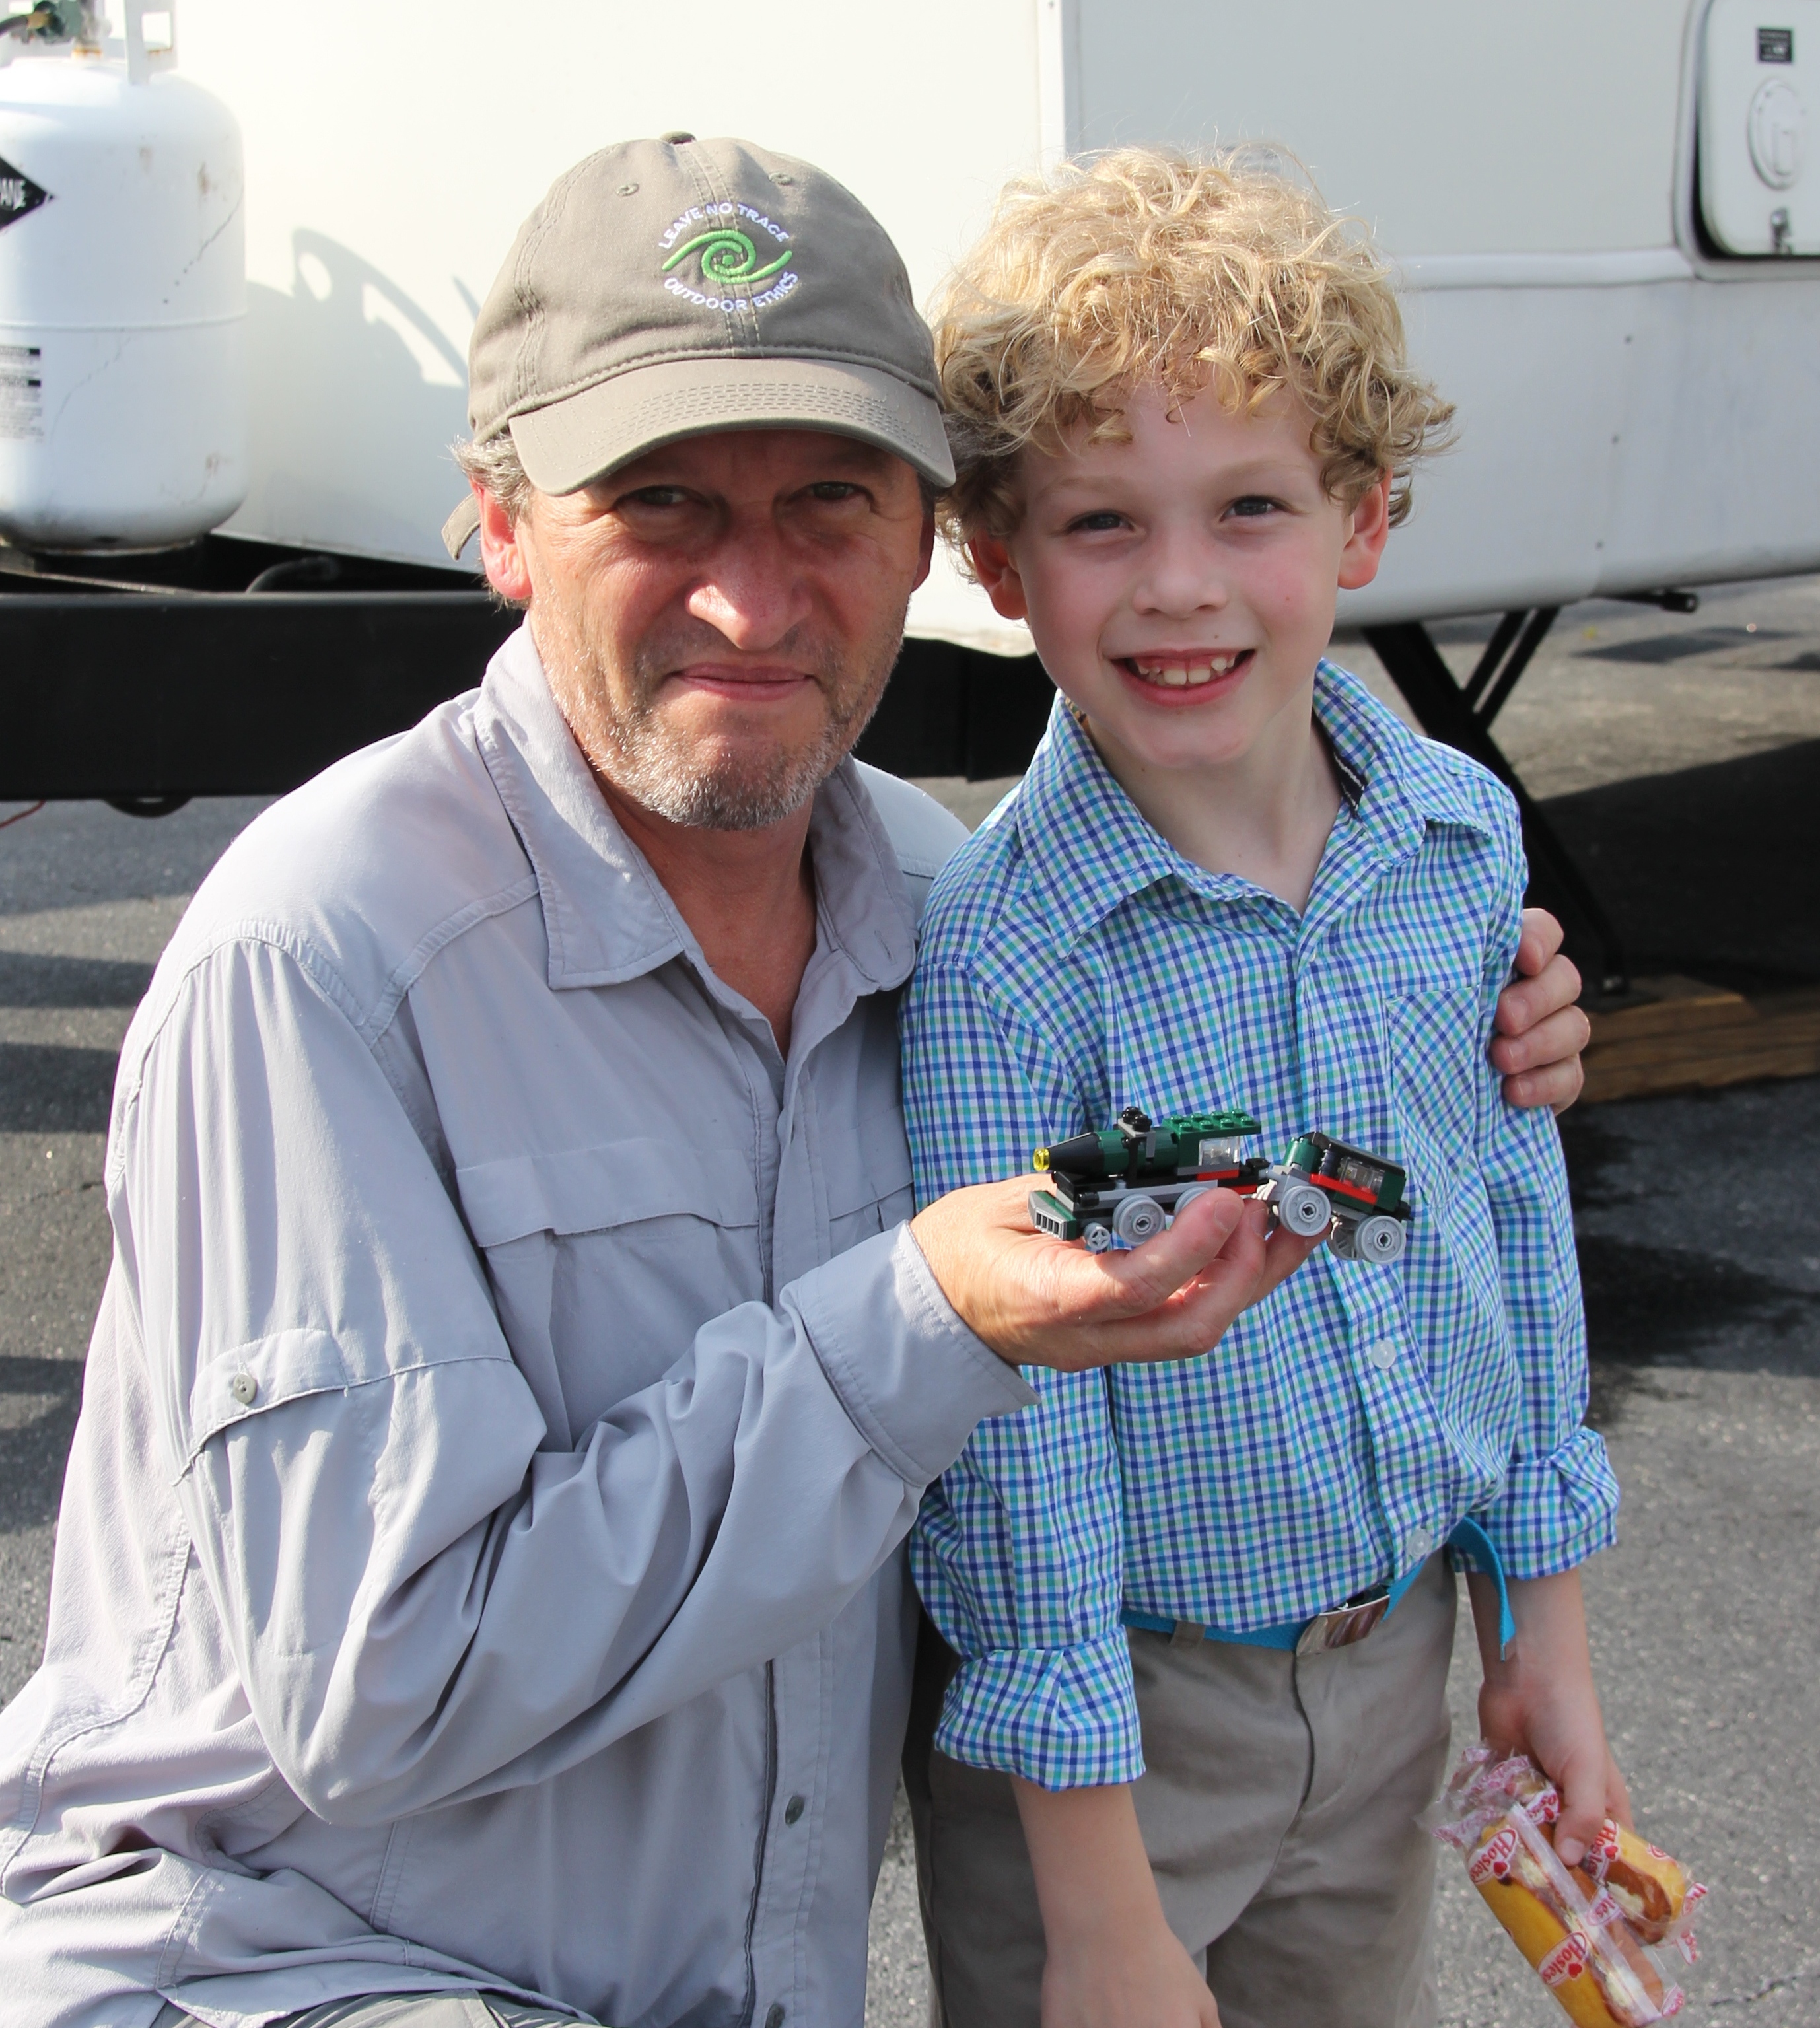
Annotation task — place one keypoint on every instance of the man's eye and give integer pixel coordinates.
(833, 489)
(655, 496)
(1094, 525)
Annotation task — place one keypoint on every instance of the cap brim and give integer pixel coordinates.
(461, 526)
(568, 443)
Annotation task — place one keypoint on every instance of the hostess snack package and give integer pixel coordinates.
(1588, 1929)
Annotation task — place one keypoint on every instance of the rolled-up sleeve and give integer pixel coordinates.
(424, 1606)
(1018, 1552)
(1559, 1499)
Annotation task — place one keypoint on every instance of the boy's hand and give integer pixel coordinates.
(1037, 1302)
(1136, 1977)
(1540, 1031)
(1112, 1961)
(1542, 1702)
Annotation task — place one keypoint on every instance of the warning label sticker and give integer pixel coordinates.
(21, 393)
(18, 195)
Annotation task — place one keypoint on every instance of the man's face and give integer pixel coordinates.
(1181, 585)
(717, 619)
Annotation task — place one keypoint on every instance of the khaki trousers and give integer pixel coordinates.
(1278, 1810)
(406, 2010)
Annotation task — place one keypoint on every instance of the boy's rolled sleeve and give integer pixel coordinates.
(1559, 1499)
(1018, 1551)
(1063, 1717)
(1556, 1510)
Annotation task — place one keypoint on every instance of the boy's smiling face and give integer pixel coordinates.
(1180, 586)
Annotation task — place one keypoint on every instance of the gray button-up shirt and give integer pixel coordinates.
(512, 1388)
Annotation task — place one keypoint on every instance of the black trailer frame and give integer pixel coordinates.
(239, 668)
(236, 667)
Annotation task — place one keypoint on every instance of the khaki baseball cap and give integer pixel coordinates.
(665, 289)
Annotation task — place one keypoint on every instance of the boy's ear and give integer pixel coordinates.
(1369, 531)
(992, 566)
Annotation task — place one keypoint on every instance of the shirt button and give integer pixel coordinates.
(792, 1809)
(244, 1389)
(774, 2014)
(1383, 1354)
(1417, 1544)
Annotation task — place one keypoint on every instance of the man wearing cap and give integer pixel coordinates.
(477, 1597)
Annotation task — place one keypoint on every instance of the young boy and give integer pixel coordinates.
(1184, 422)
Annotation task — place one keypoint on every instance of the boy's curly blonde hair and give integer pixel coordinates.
(1142, 266)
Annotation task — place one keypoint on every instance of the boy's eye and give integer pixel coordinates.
(1093, 525)
(1248, 506)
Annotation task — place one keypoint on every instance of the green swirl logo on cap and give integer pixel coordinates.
(727, 256)
(711, 236)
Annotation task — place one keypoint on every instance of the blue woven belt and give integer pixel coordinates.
(1469, 1537)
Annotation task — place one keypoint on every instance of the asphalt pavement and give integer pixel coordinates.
(1682, 758)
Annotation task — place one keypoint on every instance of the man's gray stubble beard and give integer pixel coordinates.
(660, 768)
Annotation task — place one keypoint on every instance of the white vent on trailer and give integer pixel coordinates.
(1759, 186)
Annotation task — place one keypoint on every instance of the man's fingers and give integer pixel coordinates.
(1543, 1067)
(1526, 1003)
(1557, 1087)
(1543, 1034)
(1194, 1319)
(1284, 1252)
(1556, 1038)
(1540, 938)
(1150, 1274)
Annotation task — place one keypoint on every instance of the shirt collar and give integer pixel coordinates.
(607, 917)
(1089, 849)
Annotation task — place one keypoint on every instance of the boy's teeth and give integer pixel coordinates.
(1180, 675)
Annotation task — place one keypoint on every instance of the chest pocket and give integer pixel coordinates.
(867, 1181)
(605, 1261)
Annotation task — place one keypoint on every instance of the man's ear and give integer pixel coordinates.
(992, 566)
(1368, 531)
(502, 551)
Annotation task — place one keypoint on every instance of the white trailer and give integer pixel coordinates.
(1606, 218)
(1579, 198)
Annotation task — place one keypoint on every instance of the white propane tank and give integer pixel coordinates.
(123, 294)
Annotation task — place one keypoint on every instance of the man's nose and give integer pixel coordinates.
(752, 591)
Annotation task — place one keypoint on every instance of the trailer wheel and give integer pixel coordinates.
(1137, 1220)
(1303, 1208)
(1381, 1239)
(1097, 1237)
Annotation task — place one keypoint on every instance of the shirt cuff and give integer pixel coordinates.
(1063, 1717)
(1555, 1512)
(915, 1380)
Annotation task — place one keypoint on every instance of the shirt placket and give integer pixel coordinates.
(803, 1678)
(1409, 1481)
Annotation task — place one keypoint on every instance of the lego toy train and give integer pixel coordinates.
(1127, 1181)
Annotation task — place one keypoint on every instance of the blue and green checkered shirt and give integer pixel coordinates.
(1072, 963)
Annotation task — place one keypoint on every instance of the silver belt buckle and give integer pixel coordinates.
(1341, 1625)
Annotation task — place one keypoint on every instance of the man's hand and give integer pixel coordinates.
(1037, 1302)
(1112, 1960)
(1540, 1032)
(1542, 1702)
